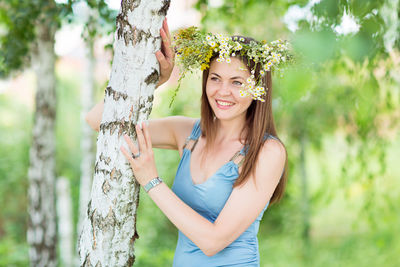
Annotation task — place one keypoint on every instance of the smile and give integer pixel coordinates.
(224, 104)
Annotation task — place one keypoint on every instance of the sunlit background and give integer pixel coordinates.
(337, 110)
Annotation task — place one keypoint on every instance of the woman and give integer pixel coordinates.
(232, 165)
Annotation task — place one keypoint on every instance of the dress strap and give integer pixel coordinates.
(238, 156)
(241, 154)
(192, 140)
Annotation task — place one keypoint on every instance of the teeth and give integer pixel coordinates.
(224, 103)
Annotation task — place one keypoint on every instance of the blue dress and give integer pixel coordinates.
(208, 199)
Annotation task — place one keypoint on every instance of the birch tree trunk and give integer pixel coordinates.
(109, 231)
(65, 224)
(41, 233)
(87, 143)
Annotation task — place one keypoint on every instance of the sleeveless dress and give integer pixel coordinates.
(208, 199)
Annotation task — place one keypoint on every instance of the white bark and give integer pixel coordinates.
(65, 222)
(87, 144)
(390, 15)
(109, 230)
(41, 233)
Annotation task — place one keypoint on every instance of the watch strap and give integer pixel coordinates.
(154, 182)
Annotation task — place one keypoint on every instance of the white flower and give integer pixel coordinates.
(233, 54)
(241, 39)
(243, 93)
(228, 60)
(208, 38)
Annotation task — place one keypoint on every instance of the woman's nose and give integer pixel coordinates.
(224, 89)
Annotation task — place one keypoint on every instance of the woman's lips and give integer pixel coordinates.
(224, 104)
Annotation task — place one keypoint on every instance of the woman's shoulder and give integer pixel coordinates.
(182, 127)
(272, 157)
(182, 124)
(273, 146)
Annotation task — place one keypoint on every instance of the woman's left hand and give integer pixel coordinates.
(141, 158)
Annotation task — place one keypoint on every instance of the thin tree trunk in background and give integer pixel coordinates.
(65, 222)
(304, 191)
(109, 231)
(87, 143)
(41, 233)
(391, 16)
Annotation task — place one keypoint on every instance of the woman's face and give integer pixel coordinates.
(223, 85)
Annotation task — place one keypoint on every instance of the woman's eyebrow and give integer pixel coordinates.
(232, 78)
(216, 74)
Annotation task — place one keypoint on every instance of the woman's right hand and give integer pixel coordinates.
(165, 56)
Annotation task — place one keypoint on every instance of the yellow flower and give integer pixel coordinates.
(204, 66)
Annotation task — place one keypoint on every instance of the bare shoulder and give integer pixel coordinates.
(181, 125)
(271, 161)
(170, 132)
(273, 147)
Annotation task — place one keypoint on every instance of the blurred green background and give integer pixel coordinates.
(337, 110)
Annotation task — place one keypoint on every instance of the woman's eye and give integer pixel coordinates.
(214, 79)
(237, 83)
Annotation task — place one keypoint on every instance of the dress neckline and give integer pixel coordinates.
(195, 135)
(230, 162)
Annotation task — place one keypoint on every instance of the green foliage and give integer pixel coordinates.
(18, 20)
(15, 122)
(17, 33)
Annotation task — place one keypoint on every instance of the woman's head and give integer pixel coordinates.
(223, 85)
(221, 100)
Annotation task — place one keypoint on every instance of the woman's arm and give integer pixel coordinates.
(243, 206)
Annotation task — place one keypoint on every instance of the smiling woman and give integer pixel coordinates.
(223, 85)
(232, 163)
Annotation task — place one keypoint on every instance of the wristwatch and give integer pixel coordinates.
(154, 182)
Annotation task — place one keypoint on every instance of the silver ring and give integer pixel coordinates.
(135, 155)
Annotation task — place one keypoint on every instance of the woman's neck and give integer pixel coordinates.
(229, 130)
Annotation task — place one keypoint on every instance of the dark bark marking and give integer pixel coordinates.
(164, 8)
(107, 160)
(87, 261)
(106, 187)
(152, 78)
(115, 95)
(130, 261)
(115, 174)
(92, 220)
(127, 127)
(127, 31)
(89, 207)
(44, 107)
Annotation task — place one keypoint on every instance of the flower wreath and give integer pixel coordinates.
(195, 49)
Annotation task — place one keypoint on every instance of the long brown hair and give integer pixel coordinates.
(259, 121)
